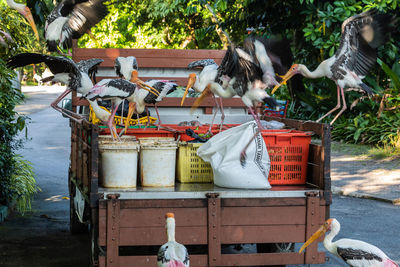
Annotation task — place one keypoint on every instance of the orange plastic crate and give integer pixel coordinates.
(288, 153)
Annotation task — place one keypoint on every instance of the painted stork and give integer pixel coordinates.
(362, 34)
(144, 97)
(124, 66)
(199, 82)
(71, 19)
(66, 71)
(115, 90)
(26, 12)
(355, 253)
(172, 254)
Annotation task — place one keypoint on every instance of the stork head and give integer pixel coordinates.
(294, 69)
(327, 226)
(191, 82)
(26, 12)
(135, 79)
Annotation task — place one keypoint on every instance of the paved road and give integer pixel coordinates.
(42, 238)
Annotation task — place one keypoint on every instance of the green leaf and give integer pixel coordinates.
(394, 78)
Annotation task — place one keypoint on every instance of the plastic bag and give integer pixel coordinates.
(223, 153)
(272, 124)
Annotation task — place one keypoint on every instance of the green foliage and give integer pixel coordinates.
(11, 123)
(23, 184)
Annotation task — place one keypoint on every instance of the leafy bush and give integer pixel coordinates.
(23, 184)
(10, 122)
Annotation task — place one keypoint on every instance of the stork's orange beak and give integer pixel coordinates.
(206, 92)
(135, 79)
(131, 109)
(28, 15)
(292, 71)
(321, 231)
(191, 81)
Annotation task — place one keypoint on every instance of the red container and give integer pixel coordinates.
(143, 132)
(181, 130)
(288, 153)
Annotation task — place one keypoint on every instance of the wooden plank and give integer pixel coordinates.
(102, 226)
(263, 215)
(265, 259)
(155, 217)
(147, 236)
(176, 102)
(314, 166)
(262, 202)
(151, 261)
(102, 261)
(313, 223)
(113, 238)
(214, 229)
(164, 203)
(181, 81)
(149, 58)
(262, 234)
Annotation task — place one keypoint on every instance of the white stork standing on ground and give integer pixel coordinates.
(26, 12)
(70, 19)
(362, 34)
(355, 253)
(172, 254)
(75, 75)
(115, 90)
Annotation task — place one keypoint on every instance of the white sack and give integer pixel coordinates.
(223, 153)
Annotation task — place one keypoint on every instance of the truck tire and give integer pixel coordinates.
(275, 247)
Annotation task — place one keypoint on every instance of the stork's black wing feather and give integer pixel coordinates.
(356, 254)
(55, 64)
(201, 63)
(117, 67)
(83, 17)
(362, 34)
(90, 66)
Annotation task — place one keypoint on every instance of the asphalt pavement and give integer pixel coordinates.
(41, 238)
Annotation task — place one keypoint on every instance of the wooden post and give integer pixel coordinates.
(113, 208)
(214, 233)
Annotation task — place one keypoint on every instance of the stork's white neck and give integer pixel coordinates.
(171, 229)
(15, 5)
(221, 92)
(321, 71)
(328, 244)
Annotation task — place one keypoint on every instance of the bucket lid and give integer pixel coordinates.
(125, 142)
(158, 143)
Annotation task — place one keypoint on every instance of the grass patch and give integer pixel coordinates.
(350, 149)
(384, 152)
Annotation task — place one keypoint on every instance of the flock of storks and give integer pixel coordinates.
(245, 71)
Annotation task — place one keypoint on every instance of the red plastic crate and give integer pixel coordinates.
(143, 132)
(197, 129)
(288, 153)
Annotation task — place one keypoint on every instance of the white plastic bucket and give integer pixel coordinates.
(118, 161)
(157, 162)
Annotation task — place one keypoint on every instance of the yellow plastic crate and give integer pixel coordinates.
(190, 167)
(118, 119)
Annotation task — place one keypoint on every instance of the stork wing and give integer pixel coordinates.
(111, 88)
(90, 66)
(55, 64)
(361, 35)
(350, 254)
(201, 63)
(83, 17)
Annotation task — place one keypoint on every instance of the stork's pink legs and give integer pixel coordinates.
(64, 111)
(221, 106)
(343, 108)
(110, 122)
(339, 90)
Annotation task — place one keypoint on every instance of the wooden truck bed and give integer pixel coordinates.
(128, 226)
